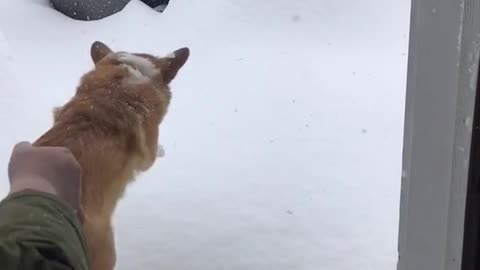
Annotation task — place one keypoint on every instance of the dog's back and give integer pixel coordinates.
(111, 126)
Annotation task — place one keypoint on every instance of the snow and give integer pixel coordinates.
(145, 66)
(160, 151)
(170, 55)
(135, 76)
(270, 164)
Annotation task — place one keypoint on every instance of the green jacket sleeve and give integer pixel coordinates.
(38, 231)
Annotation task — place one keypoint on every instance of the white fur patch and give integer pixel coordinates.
(142, 64)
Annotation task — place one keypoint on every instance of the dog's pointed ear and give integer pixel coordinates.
(99, 51)
(176, 60)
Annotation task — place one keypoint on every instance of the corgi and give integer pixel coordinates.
(111, 125)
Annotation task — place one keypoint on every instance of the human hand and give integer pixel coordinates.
(52, 170)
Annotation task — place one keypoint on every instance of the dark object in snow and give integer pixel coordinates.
(158, 5)
(89, 10)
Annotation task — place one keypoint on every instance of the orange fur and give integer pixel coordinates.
(111, 126)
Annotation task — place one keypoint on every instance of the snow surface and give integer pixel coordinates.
(284, 136)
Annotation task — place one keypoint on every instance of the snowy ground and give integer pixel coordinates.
(283, 142)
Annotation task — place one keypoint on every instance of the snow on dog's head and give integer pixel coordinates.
(142, 68)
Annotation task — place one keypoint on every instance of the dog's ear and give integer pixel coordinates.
(99, 51)
(175, 61)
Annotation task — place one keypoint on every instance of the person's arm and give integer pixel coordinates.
(38, 231)
(40, 219)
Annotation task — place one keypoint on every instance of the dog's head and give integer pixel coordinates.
(141, 73)
(144, 68)
(137, 71)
